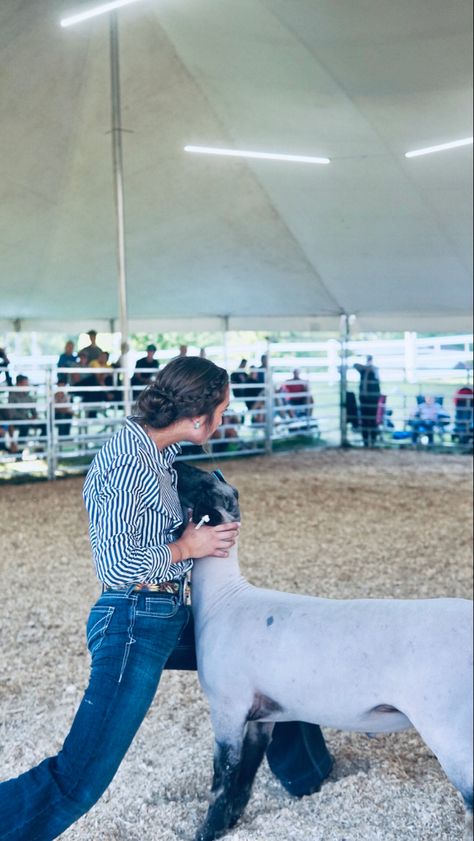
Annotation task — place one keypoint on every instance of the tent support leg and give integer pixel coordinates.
(117, 161)
(269, 402)
(344, 339)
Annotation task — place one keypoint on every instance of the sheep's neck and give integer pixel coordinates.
(214, 580)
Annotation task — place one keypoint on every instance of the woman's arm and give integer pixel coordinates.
(117, 539)
(116, 506)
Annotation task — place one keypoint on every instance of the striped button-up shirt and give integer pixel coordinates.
(131, 496)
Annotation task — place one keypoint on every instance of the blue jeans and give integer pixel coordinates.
(130, 637)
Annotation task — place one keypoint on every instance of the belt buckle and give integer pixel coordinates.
(172, 587)
(168, 587)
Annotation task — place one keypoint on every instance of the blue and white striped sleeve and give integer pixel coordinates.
(116, 519)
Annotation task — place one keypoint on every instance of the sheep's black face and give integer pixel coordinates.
(207, 493)
(216, 498)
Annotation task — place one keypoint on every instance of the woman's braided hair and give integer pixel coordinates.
(186, 387)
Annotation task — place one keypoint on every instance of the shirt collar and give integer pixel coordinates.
(165, 457)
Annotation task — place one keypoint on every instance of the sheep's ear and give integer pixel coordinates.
(219, 475)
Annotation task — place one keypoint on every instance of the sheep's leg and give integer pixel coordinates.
(449, 736)
(235, 767)
(255, 744)
(227, 758)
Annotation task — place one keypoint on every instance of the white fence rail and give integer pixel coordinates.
(46, 422)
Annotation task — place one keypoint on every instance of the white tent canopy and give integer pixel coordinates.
(218, 242)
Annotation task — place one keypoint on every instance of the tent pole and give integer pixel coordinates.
(117, 159)
(51, 445)
(269, 400)
(226, 342)
(344, 338)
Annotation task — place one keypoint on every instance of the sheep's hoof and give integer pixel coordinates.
(205, 833)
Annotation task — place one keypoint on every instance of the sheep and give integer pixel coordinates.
(369, 665)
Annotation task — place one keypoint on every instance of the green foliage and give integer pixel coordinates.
(165, 341)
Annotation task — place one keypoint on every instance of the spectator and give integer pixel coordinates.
(85, 379)
(102, 360)
(4, 372)
(148, 366)
(21, 406)
(93, 350)
(202, 353)
(262, 370)
(463, 415)
(256, 395)
(257, 376)
(68, 358)
(425, 418)
(369, 393)
(102, 377)
(183, 350)
(63, 411)
(78, 375)
(239, 379)
(298, 397)
(226, 436)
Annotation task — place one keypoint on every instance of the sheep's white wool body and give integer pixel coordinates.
(339, 663)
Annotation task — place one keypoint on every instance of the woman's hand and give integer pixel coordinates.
(208, 540)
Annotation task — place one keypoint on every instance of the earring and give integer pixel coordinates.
(197, 424)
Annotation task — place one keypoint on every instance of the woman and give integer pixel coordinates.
(138, 621)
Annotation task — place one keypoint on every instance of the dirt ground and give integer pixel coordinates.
(330, 523)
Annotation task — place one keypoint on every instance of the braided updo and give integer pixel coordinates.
(186, 387)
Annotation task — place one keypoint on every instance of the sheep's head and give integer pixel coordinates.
(216, 498)
(207, 493)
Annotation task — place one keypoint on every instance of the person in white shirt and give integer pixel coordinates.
(425, 418)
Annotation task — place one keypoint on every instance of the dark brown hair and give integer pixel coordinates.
(186, 387)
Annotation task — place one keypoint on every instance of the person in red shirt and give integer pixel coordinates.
(298, 396)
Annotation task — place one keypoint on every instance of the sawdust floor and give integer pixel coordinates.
(331, 523)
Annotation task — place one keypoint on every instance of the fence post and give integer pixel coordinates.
(226, 342)
(50, 442)
(344, 338)
(332, 361)
(410, 357)
(268, 402)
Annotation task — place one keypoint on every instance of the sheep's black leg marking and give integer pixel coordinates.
(255, 744)
(262, 707)
(234, 773)
(226, 773)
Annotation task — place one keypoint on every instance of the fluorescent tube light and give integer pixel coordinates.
(267, 156)
(466, 141)
(97, 10)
